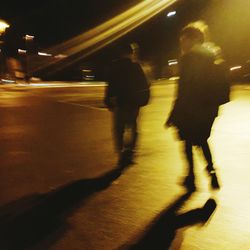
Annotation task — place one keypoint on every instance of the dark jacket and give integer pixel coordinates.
(195, 107)
(125, 80)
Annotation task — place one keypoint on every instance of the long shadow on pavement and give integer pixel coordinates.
(27, 222)
(162, 231)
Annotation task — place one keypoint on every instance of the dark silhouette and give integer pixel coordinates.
(27, 222)
(11, 67)
(127, 91)
(161, 233)
(198, 98)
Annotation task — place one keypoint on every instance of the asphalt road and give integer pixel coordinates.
(59, 188)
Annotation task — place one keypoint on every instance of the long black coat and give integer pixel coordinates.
(195, 109)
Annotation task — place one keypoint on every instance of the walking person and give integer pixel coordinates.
(198, 99)
(126, 93)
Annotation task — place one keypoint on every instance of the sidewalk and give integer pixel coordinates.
(58, 170)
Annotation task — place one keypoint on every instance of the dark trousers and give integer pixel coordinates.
(125, 120)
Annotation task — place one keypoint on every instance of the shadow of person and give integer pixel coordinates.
(162, 231)
(30, 220)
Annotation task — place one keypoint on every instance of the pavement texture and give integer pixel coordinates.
(60, 188)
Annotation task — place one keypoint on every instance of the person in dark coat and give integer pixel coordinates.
(195, 109)
(126, 92)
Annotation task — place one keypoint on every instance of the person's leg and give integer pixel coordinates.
(189, 157)
(208, 156)
(210, 167)
(189, 180)
(132, 124)
(119, 126)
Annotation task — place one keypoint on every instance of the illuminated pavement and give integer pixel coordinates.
(57, 136)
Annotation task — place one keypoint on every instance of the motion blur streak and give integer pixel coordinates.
(102, 35)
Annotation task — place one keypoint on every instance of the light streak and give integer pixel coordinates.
(235, 68)
(95, 39)
(171, 13)
(22, 51)
(60, 56)
(7, 81)
(172, 62)
(28, 37)
(43, 54)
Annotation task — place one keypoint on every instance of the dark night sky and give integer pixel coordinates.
(57, 20)
(53, 21)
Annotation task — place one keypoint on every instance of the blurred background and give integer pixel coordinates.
(35, 28)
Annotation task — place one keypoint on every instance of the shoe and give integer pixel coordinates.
(212, 173)
(126, 158)
(214, 181)
(128, 155)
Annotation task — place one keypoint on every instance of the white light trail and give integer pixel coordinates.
(172, 13)
(22, 51)
(43, 54)
(172, 63)
(235, 68)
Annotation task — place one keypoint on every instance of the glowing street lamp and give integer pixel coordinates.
(3, 26)
(28, 41)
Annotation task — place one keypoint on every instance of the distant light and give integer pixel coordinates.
(22, 51)
(3, 26)
(44, 54)
(235, 68)
(171, 13)
(7, 81)
(28, 37)
(172, 62)
(60, 56)
(87, 70)
(174, 78)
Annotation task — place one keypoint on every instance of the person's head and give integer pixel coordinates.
(136, 50)
(189, 37)
(129, 51)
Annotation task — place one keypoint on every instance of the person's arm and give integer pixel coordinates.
(110, 99)
(170, 121)
(110, 93)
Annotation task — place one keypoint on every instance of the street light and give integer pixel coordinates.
(3, 26)
(28, 40)
(44, 54)
(171, 13)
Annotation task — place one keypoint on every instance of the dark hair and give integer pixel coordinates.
(193, 33)
(124, 49)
